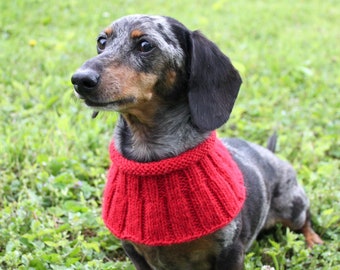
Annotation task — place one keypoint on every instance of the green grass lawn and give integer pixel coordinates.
(53, 156)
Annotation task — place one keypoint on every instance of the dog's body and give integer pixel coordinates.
(172, 88)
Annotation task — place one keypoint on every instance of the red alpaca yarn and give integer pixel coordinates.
(174, 200)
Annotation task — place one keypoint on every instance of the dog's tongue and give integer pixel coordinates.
(94, 114)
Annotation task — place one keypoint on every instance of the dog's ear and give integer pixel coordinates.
(213, 84)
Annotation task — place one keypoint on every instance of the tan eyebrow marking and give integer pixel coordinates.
(136, 33)
(108, 31)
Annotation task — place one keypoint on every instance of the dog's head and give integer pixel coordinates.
(145, 61)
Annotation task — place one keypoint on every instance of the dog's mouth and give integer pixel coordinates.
(97, 106)
(111, 105)
(106, 106)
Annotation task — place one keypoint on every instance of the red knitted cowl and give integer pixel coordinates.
(174, 200)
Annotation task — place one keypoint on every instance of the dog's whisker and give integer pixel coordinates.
(94, 114)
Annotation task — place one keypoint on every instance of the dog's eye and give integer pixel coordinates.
(101, 43)
(145, 46)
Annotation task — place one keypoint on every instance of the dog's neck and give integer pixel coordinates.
(170, 134)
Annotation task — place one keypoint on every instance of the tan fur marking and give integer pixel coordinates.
(121, 83)
(170, 78)
(136, 33)
(108, 31)
(311, 237)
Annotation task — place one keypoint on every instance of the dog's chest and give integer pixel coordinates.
(197, 255)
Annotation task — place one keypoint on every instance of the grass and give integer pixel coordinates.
(53, 157)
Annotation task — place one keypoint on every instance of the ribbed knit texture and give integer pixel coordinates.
(174, 200)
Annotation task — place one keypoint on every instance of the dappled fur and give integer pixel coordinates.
(172, 87)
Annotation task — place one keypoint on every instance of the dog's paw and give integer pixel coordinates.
(312, 238)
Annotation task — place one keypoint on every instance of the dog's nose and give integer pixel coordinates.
(85, 81)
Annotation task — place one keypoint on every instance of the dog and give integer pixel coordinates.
(172, 88)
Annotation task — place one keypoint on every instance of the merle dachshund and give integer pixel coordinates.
(172, 88)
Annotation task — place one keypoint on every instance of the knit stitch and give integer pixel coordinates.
(174, 200)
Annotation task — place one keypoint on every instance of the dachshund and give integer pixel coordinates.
(173, 88)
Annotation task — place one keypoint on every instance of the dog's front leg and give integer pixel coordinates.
(135, 257)
(231, 258)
